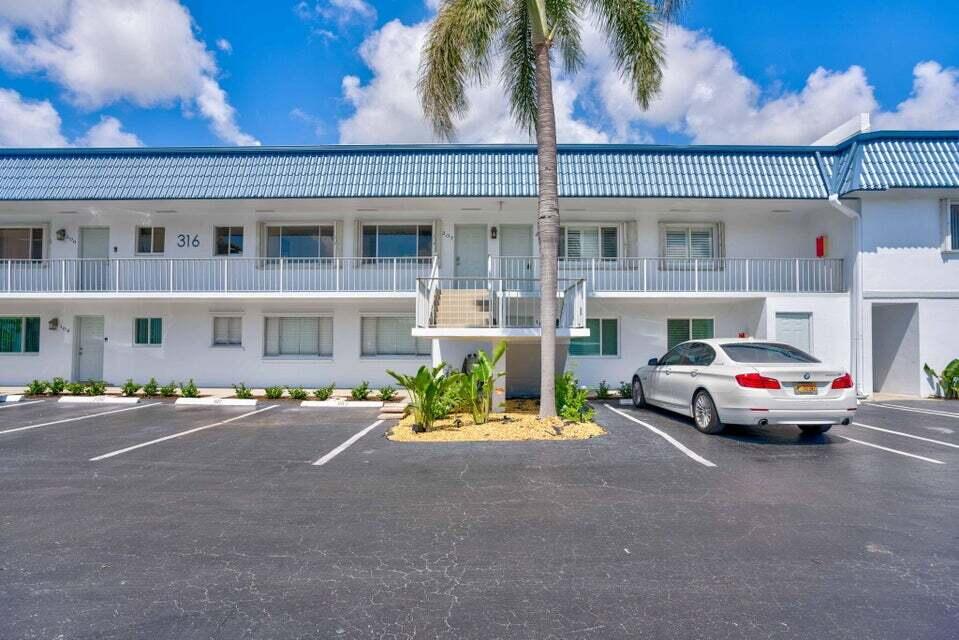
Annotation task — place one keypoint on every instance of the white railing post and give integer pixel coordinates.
(10, 276)
(226, 275)
(337, 265)
(281, 273)
(748, 264)
(797, 276)
(394, 274)
(116, 275)
(63, 275)
(696, 274)
(171, 275)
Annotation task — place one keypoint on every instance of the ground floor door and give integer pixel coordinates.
(795, 329)
(471, 253)
(895, 348)
(88, 359)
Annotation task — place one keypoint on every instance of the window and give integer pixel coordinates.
(603, 339)
(397, 240)
(19, 335)
(588, 242)
(299, 337)
(954, 226)
(21, 244)
(148, 332)
(392, 336)
(690, 241)
(151, 239)
(300, 241)
(227, 331)
(767, 353)
(699, 354)
(229, 241)
(679, 330)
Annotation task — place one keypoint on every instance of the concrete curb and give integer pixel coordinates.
(11, 398)
(98, 400)
(215, 402)
(625, 402)
(342, 404)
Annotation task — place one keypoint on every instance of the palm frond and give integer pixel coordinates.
(458, 49)
(634, 36)
(669, 9)
(564, 16)
(519, 65)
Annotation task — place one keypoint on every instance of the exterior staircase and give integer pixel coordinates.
(462, 308)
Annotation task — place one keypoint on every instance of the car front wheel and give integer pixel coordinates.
(705, 415)
(814, 429)
(639, 396)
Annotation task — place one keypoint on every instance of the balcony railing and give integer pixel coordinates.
(671, 275)
(214, 275)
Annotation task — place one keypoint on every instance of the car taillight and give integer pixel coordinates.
(756, 381)
(843, 382)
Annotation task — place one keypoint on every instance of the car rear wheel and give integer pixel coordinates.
(705, 415)
(639, 396)
(814, 429)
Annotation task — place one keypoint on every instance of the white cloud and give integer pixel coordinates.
(224, 45)
(340, 12)
(934, 103)
(108, 133)
(34, 13)
(105, 51)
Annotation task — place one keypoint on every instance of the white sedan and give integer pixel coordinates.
(745, 381)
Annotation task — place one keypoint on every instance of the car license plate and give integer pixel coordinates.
(806, 389)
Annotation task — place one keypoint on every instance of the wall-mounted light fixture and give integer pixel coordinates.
(54, 324)
(61, 234)
(493, 233)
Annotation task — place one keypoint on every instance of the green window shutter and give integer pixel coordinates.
(141, 331)
(10, 335)
(587, 346)
(677, 331)
(610, 242)
(31, 343)
(702, 329)
(610, 336)
(156, 330)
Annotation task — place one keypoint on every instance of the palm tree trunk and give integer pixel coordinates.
(548, 228)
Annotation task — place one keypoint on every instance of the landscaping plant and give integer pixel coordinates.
(947, 380)
(297, 393)
(273, 393)
(151, 388)
(572, 400)
(76, 388)
(189, 390)
(625, 389)
(129, 388)
(37, 388)
(324, 393)
(57, 385)
(96, 388)
(242, 392)
(387, 393)
(360, 391)
(168, 390)
(602, 393)
(429, 391)
(478, 383)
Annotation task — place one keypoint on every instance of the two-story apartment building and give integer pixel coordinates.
(312, 265)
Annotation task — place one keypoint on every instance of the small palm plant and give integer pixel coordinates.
(947, 380)
(479, 381)
(429, 390)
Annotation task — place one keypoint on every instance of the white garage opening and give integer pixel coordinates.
(795, 329)
(895, 348)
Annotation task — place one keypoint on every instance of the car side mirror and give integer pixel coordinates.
(653, 362)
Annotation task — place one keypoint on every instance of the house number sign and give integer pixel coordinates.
(187, 240)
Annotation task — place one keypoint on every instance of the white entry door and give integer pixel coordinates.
(89, 348)
(516, 256)
(795, 329)
(471, 252)
(93, 273)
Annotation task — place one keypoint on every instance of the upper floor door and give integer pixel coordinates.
(471, 252)
(93, 272)
(516, 251)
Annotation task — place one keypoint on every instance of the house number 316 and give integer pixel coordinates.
(187, 240)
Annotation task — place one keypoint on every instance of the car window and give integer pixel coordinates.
(674, 356)
(767, 353)
(700, 355)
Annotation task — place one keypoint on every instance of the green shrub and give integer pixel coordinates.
(76, 388)
(189, 390)
(625, 389)
(361, 391)
(297, 393)
(477, 385)
(57, 385)
(947, 382)
(571, 400)
(37, 388)
(273, 393)
(430, 392)
(242, 392)
(602, 393)
(324, 393)
(129, 388)
(96, 388)
(151, 388)
(168, 390)
(387, 393)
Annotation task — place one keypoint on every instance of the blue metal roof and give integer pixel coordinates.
(872, 161)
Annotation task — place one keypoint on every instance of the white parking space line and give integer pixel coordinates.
(180, 434)
(931, 412)
(346, 445)
(902, 453)
(77, 418)
(671, 440)
(8, 405)
(906, 435)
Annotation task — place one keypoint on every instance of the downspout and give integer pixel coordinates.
(858, 363)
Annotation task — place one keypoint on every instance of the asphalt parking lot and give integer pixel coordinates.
(160, 522)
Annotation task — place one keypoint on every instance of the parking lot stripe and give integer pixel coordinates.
(907, 435)
(180, 434)
(671, 440)
(931, 412)
(902, 453)
(7, 405)
(77, 418)
(346, 445)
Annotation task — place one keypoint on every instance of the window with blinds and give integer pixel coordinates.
(954, 226)
(299, 337)
(148, 331)
(227, 331)
(679, 330)
(690, 241)
(19, 335)
(589, 242)
(392, 336)
(603, 339)
(21, 244)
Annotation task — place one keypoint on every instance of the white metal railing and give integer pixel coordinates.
(717, 275)
(443, 302)
(214, 275)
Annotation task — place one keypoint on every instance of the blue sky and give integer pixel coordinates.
(210, 72)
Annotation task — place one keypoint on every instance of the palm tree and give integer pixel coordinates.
(464, 41)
